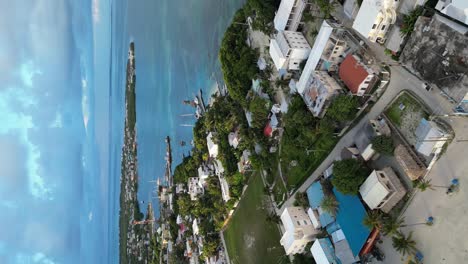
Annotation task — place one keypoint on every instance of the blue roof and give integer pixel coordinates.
(315, 196)
(329, 250)
(350, 215)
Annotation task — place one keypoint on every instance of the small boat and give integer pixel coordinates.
(182, 143)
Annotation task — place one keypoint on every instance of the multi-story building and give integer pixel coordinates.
(288, 49)
(195, 188)
(334, 50)
(289, 14)
(321, 90)
(299, 230)
(382, 190)
(456, 9)
(375, 18)
(356, 75)
(212, 146)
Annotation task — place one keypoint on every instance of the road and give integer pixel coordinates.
(400, 80)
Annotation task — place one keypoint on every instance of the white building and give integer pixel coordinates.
(320, 92)
(298, 230)
(429, 138)
(335, 49)
(375, 17)
(323, 252)
(314, 57)
(289, 14)
(288, 49)
(244, 162)
(456, 9)
(224, 188)
(382, 190)
(212, 147)
(195, 188)
(203, 174)
(234, 139)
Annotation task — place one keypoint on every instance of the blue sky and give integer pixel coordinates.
(42, 129)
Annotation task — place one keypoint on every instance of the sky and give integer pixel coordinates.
(42, 129)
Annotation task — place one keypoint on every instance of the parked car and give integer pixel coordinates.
(426, 86)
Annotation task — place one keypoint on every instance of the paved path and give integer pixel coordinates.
(400, 80)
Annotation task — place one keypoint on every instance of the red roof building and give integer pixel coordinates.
(268, 130)
(355, 75)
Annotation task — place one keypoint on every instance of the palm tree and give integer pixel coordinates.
(391, 225)
(373, 219)
(404, 245)
(423, 185)
(330, 205)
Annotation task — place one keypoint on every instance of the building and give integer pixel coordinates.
(429, 138)
(356, 76)
(244, 162)
(288, 49)
(212, 146)
(334, 50)
(298, 230)
(410, 164)
(456, 9)
(234, 139)
(380, 127)
(382, 190)
(375, 18)
(195, 188)
(362, 147)
(320, 92)
(289, 14)
(224, 188)
(324, 252)
(203, 174)
(347, 232)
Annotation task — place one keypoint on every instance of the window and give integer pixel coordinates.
(383, 27)
(373, 26)
(381, 175)
(305, 222)
(298, 223)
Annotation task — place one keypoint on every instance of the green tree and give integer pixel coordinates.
(348, 175)
(184, 204)
(301, 199)
(259, 108)
(423, 185)
(391, 225)
(343, 108)
(409, 21)
(273, 218)
(383, 144)
(404, 244)
(330, 205)
(373, 219)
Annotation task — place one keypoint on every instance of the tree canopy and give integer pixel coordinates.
(343, 108)
(383, 144)
(348, 175)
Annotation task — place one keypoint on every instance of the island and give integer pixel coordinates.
(136, 232)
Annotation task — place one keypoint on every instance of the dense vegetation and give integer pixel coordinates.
(348, 175)
(383, 144)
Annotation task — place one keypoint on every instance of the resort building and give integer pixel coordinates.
(244, 162)
(347, 232)
(298, 230)
(375, 18)
(212, 147)
(203, 174)
(356, 76)
(288, 49)
(382, 190)
(324, 252)
(224, 188)
(234, 139)
(289, 14)
(320, 92)
(413, 168)
(456, 9)
(429, 138)
(195, 188)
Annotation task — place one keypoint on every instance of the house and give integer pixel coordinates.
(218, 167)
(320, 92)
(203, 174)
(362, 147)
(195, 188)
(299, 230)
(224, 188)
(244, 162)
(288, 49)
(271, 126)
(456, 9)
(195, 228)
(324, 252)
(348, 233)
(212, 147)
(356, 76)
(410, 164)
(382, 190)
(289, 14)
(375, 18)
(234, 139)
(429, 138)
(334, 50)
(380, 127)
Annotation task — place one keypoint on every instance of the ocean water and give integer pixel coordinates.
(176, 44)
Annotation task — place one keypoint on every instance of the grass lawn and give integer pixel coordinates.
(279, 191)
(249, 237)
(409, 104)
